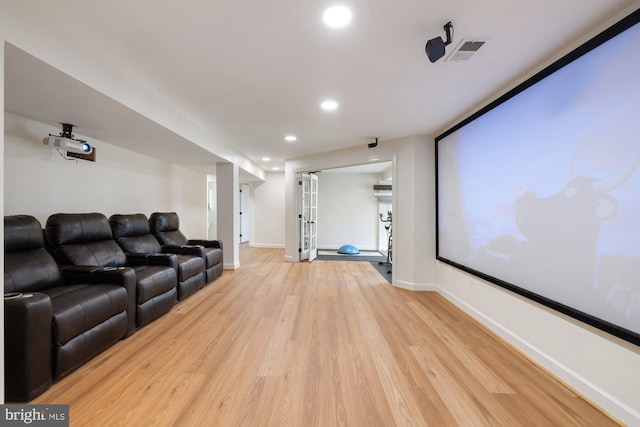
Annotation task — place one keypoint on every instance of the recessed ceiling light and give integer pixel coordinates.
(329, 105)
(266, 159)
(290, 138)
(275, 168)
(337, 16)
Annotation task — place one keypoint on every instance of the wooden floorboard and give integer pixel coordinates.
(328, 343)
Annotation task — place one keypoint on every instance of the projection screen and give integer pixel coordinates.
(539, 192)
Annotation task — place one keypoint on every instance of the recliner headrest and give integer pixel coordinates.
(22, 233)
(129, 225)
(163, 221)
(64, 229)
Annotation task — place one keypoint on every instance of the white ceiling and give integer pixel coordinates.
(39, 91)
(377, 168)
(252, 72)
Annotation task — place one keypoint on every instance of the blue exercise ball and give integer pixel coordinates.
(348, 250)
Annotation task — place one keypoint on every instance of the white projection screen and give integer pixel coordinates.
(539, 192)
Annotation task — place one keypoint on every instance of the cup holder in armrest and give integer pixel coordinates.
(16, 295)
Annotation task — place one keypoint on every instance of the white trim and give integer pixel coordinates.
(597, 395)
(417, 287)
(230, 265)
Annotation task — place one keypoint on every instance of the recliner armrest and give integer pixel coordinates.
(169, 260)
(196, 250)
(172, 249)
(137, 259)
(206, 243)
(74, 274)
(114, 275)
(28, 342)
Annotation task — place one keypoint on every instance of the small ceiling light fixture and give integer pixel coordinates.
(435, 47)
(266, 159)
(290, 138)
(275, 168)
(337, 16)
(329, 105)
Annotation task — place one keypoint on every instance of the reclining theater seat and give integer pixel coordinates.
(132, 233)
(86, 239)
(55, 320)
(165, 227)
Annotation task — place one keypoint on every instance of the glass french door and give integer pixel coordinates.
(308, 215)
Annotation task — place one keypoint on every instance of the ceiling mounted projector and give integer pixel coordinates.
(65, 141)
(67, 144)
(435, 47)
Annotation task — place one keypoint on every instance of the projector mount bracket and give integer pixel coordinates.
(67, 128)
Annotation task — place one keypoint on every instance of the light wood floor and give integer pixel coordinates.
(329, 343)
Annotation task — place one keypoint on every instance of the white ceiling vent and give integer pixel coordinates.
(466, 49)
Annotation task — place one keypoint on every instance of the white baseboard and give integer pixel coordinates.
(231, 266)
(418, 287)
(597, 395)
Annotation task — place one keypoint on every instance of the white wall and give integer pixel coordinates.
(267, 229)
(347, 210)
(39, 182)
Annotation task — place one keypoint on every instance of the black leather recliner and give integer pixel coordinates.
(132, 233)
(165, 226)
(56, 320)
(86, 239)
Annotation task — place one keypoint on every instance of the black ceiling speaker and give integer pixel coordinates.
(435, 47)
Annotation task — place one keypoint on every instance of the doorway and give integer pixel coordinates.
(351, 202)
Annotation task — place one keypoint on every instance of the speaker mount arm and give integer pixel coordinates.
(448, 29)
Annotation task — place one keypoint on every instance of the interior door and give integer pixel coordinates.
(313, 217)
(308, 216)
(245, 213)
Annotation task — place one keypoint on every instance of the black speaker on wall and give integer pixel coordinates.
(436, 47)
